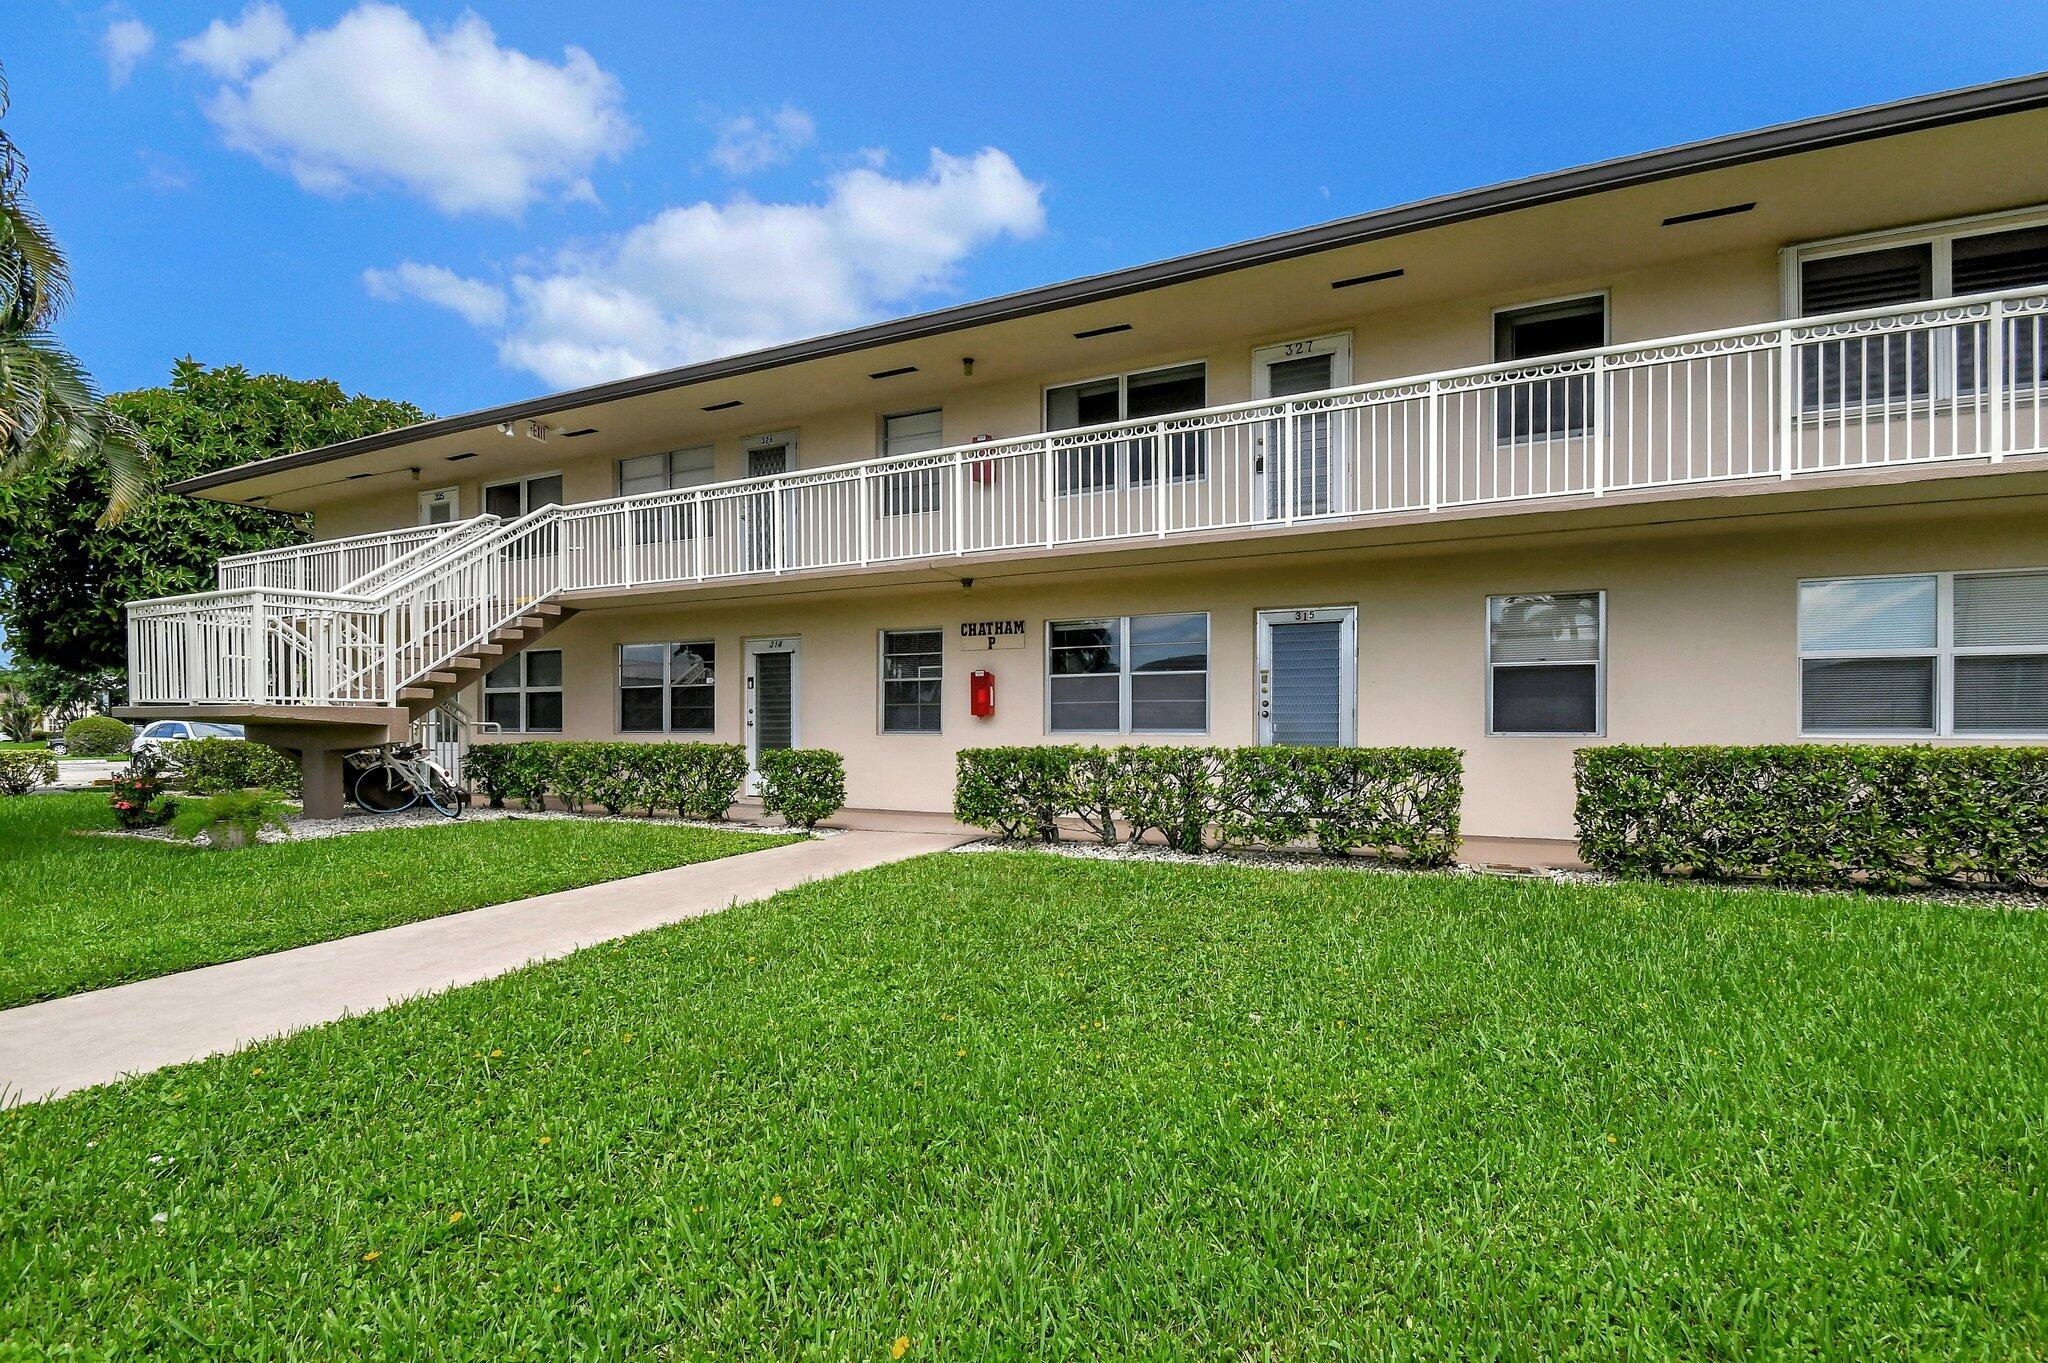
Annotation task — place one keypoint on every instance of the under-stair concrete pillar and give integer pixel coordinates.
(320, 771)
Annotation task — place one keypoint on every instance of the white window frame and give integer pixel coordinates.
(523, 691)
(668, 469)
(1944, 653)
(1120, 479)
(1940, 236)
(908, 492)
(668, 685)
(522, 482)
(882, 681)
(1123, 690)
(1599, 729)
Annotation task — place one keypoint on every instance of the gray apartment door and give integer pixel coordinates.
(1301, 457)
(1308, 676)
(765, 514)
(772, 698)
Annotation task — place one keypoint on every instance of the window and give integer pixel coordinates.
(1965, 258)
(1543, 409)
(1128, 674)
(1924, 654)
(1545, 660)
(514, 499)
(917, 490)
(667, 471)
(667, 688)
(524, 693)
(1128, 397)
(913, 672)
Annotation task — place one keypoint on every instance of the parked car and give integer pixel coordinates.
(162, 736)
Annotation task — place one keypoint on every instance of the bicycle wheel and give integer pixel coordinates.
(443, 794)
(382, 790)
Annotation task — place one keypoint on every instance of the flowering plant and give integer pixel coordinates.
(137, 795)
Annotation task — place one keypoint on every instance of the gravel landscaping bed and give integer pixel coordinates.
(299, 829)
(1313, 861)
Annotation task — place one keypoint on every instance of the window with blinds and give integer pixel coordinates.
(1925, 654)
(1853, 371)
(913, 490)
(2001, 653)
(1545, 663)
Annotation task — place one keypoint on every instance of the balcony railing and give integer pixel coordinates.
(1953, 381)
(328, 565)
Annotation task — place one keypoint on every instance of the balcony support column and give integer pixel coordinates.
(320, 774)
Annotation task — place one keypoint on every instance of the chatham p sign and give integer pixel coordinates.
(982, 636)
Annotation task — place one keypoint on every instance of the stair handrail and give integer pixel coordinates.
(463, 531)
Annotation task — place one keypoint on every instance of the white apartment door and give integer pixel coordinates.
(772, 687)
(1308, 676)
(762, 514)
(440, 506)
(1301, 459)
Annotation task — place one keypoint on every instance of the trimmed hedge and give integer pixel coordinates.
(696, 780)
(1818, 815)
(214, 766)
(1392, 801)
(803, 785)
(22, 772)
(97, 736)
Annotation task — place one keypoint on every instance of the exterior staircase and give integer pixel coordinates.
(325, 673)
(433, 689)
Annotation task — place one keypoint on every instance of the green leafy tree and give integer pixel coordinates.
(51, 415)
(64, 577)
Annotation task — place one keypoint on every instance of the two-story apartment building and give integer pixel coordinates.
(1740, 441)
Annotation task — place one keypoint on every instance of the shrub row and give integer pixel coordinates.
(214, 766)
(1392, 801)
(22, 772)
(1886, 817)
(696, 780)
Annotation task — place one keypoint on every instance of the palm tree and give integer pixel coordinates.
(50, 411)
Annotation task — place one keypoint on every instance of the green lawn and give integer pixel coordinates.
(81, 912)
(1014, 1106)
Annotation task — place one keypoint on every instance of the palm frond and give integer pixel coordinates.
(51, 414)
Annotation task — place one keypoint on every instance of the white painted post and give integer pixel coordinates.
(1994, 383)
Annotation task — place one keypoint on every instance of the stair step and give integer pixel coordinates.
(465, 664)
(440, 678)
(416, 693)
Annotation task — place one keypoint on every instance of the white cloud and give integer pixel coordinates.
(229, 49)
(712, 279)
(747, 143)
(474, 300)
(378, 99)
(124, 44)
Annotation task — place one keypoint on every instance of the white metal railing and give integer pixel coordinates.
(1963, 379)
(328, 565)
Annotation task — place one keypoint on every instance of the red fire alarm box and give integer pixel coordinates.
(981, 693)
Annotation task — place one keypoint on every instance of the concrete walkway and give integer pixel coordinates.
(47, 1049)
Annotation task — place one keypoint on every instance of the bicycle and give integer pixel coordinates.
(395, 777)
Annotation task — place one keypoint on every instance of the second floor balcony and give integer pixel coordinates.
(1950, 382)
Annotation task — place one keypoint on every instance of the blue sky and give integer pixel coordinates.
(462, 205)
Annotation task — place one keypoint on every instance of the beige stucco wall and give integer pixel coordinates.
(1709, 292)
(1701, 641)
